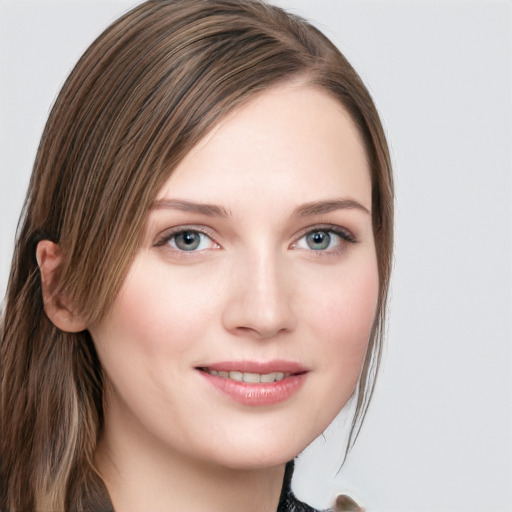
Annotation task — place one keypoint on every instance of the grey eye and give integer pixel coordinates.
(188, 240)
(318, 240)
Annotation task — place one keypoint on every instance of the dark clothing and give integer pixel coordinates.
(99, 500)
(288, 502)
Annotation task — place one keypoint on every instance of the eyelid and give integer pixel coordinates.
(345, 234)
(164, 237)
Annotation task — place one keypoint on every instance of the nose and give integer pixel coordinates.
(260, 298)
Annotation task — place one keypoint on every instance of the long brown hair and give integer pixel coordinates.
(144, 93)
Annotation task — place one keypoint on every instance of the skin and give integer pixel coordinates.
(255, 289)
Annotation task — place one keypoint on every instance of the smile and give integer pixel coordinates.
(256, 383)
(250, 377)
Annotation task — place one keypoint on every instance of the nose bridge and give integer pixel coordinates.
(261, 292)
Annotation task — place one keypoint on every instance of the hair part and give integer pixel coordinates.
(144, 93)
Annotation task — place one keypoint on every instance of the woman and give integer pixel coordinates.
(200, 277)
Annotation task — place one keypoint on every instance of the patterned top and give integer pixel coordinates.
(288, 502)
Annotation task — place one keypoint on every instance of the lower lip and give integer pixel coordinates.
(257, 394)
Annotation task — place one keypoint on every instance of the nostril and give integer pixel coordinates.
(261, 332)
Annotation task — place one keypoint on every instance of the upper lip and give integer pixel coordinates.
(262, 367)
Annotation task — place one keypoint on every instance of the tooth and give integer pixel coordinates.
(251, 377)
(236, 376)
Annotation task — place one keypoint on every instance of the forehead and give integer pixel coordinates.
(293, 139)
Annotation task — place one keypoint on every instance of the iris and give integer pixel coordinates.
(318, 240)
(187, 240)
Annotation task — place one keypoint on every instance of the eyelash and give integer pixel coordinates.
(343, 234)
(168, 236)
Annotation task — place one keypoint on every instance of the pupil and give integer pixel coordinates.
(188, 240)
(318, 240)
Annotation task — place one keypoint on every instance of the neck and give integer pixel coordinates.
(140, 478)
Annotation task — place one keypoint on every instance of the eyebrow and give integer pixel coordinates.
(211, 210)
(320, 207)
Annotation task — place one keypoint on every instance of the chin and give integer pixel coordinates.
(254, 460)
(258, 450)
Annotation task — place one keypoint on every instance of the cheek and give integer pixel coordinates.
(159, 313)
(343, 317)
(150, 338)
(339, 308)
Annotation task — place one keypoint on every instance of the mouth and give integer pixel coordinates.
(256, 384)
(254, 372)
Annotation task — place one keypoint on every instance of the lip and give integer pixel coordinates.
(276, 365)
(261, 393)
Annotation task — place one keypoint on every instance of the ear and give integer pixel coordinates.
(56, 305)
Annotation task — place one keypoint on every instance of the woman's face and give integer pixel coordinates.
(258, 264)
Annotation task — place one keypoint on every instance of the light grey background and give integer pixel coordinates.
(439, 432)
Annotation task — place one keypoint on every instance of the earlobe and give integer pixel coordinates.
(56, 306)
